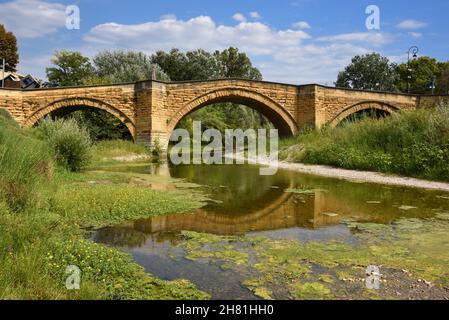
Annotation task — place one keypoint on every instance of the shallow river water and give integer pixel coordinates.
(246, 203)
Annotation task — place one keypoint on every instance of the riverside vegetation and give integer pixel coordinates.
(410, 143)
(47, 208)
(46, 204)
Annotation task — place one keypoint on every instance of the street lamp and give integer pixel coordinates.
(414, 50)
(433, 84)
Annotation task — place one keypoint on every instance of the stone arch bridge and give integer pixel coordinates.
(152, 109)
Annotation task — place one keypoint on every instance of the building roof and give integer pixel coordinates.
(13, 75)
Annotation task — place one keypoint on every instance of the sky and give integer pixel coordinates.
(291, 41)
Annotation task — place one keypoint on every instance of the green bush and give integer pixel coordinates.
(71, 142)
(24, 163)
(413, 143)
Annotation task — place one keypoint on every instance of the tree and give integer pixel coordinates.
(193, 65)
(71, 69)
(202, 65)
(8, 49)
(235, 64)
(443, 81)
(126, 66)
(421, 71)
(369, 72)
(101, 125)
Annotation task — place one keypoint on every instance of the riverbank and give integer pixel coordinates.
(360, 176)
(349, 175)
(407, 144)
(47, 213)
(39, 243)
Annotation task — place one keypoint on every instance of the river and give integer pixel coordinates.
(288, 205)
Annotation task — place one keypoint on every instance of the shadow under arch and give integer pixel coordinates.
(69, 105)
(279, 117)
(361, 106)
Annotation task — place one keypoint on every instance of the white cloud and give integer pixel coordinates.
(374, 38)
(239, 17)
(302, 25)
(168, 17)
(286, 55)
(282, 55)
(411, 24)
(255, 15)
(32, 18)
(311, 63)
(201, 32)
(415, 34)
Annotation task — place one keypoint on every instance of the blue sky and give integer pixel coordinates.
(294, 41)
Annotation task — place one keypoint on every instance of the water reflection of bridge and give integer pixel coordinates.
(311, 210)
(254, 203)
(289, 210)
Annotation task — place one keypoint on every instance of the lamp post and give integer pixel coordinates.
(433, 84)
(414, 50)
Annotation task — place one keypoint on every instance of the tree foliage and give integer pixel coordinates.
(8, 49)
(203, 65)
(443, 81)
(70, 69)
(421, 71)
(126, 66)
(369, 72)
(235, 64)
(101, 125)
(180, 66)
(375, 72)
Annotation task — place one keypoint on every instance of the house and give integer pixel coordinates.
(19, 81)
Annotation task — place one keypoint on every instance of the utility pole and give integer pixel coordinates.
(3, 72)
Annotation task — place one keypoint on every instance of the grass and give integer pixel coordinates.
(118, 148)
(44, 210)
(24, 163)
(100, 205)
(411, 143)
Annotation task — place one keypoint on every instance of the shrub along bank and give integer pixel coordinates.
(44, 208)
(411, 143)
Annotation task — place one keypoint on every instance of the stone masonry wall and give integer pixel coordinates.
(151, 109)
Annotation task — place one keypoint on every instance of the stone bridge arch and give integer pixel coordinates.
(75, 103)
(273, 111)
(365, 105)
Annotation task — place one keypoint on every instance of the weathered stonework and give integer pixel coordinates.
(152, 109)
